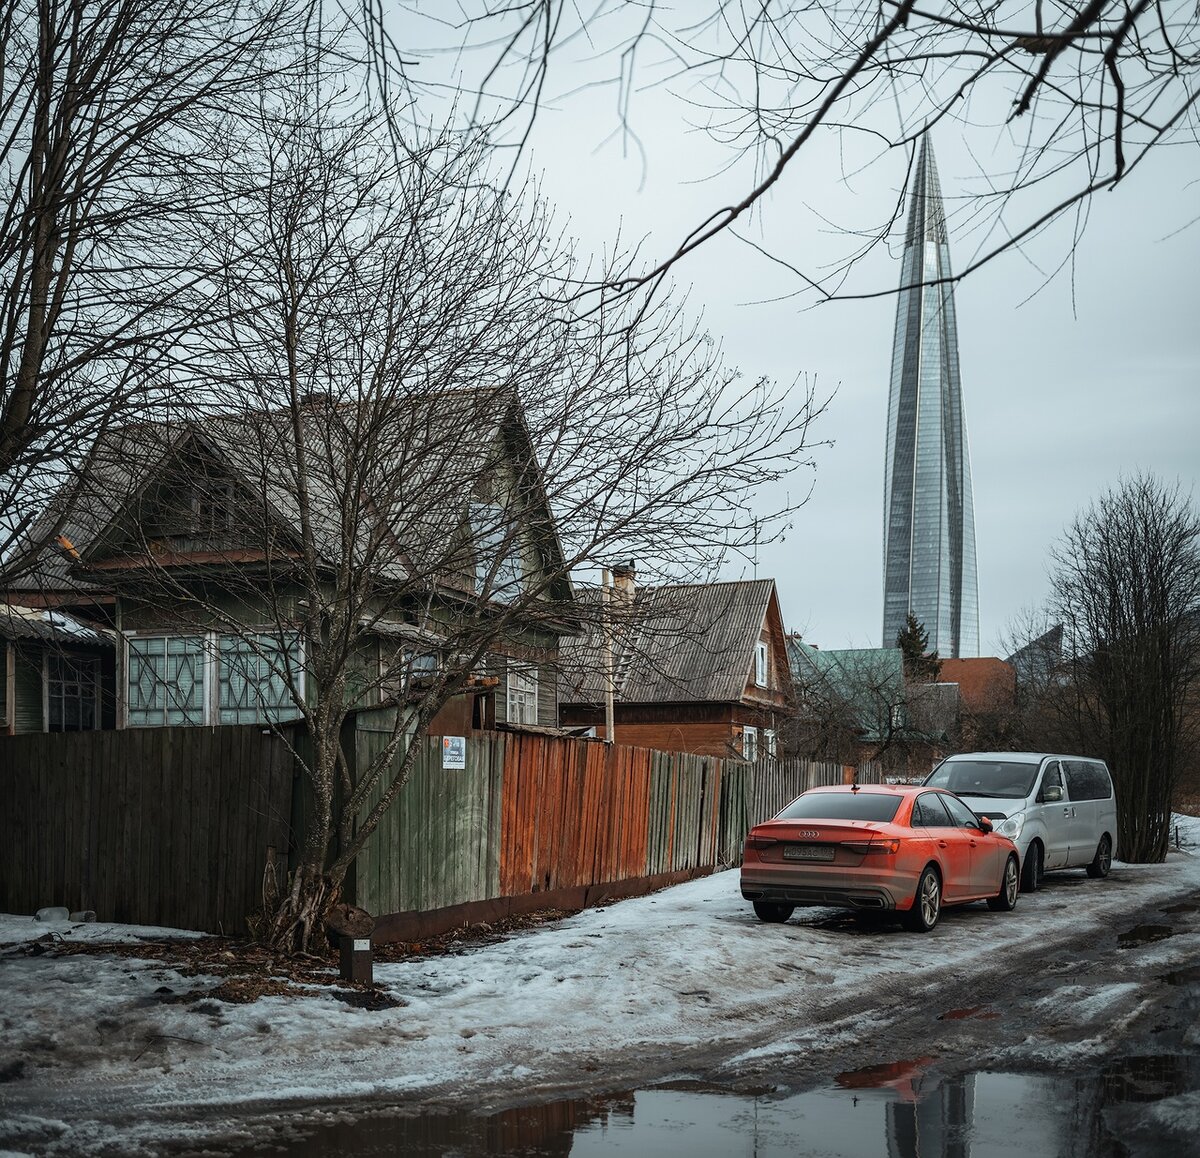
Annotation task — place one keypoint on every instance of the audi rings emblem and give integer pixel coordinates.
(809, 833)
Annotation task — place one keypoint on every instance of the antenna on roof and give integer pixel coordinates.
(855, 786)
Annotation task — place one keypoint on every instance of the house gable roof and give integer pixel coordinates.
(440, 446)
(678, 643)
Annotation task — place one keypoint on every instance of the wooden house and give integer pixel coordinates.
(698, 667)
(56, 672)
(193, 532)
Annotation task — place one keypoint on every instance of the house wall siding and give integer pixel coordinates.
(28, 710)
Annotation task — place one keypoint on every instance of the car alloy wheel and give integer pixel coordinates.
(927, 904)
(1010, 885)
(1102, 861)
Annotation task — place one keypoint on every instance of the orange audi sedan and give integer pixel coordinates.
(878, 848)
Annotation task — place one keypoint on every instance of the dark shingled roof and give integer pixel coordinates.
(677, 643)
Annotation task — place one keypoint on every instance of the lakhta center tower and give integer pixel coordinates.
(928, 512)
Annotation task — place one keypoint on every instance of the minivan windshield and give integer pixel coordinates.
(1000, 778)
(841, 806)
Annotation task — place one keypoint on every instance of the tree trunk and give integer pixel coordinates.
(300, 915)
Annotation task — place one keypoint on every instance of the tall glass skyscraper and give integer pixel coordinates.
(928, 512)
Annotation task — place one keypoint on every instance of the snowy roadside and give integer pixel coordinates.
(98, 1062)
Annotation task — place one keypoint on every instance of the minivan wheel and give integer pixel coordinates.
(1031, 870)
(927, 904)
(773, 912)
(1102, 861)
(1006, 899)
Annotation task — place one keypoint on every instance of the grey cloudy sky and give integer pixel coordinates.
(1068, 384)
(1092, 376)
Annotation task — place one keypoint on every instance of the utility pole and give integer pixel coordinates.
(606, 589)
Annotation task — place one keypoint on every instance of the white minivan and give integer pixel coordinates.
(1060, 811)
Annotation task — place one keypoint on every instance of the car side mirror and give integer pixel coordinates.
(1051, 794)
(985, 825)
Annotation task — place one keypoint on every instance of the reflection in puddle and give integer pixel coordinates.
(976, 1012)
(1182, 907)
(1143, 935)
(1189, 975)
(893, 1111)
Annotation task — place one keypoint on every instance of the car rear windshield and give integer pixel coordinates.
(841, 806)
(1001, 778)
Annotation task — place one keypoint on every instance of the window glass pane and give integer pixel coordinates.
(750, 743)
(960, 813)
(495, 548)
(1001, 778)
(929, 813)
(184, 678)
(842, 806)
(72, 684)
(145, 691)
(522, 694)
(252, 679)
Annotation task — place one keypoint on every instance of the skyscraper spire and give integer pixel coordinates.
(928, 510)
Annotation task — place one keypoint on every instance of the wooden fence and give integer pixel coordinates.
(533, 814)
(174, 826)
(155, 826)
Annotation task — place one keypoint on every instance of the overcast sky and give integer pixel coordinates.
(1067, 385)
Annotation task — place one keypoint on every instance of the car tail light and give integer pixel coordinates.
(880, 846)
(760, 842)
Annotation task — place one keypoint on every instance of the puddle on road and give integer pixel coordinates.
(972, 1012)
(1143, 935)
(893, 1111)
(1189, 975)
(1182, 907)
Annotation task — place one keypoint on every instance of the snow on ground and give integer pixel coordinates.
(650, 978)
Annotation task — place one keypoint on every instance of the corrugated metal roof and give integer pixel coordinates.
(677, 643)
(441, 447)
(18, 622)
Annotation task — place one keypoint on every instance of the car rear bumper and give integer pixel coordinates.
(867, 892)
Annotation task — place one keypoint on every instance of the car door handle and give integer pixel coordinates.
(972, 844)
(941, 844)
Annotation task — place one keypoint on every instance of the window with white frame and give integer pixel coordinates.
(522, 693)
(211, 679)
(769, 743)
(497, 552)
(749, 743)
(760, 664)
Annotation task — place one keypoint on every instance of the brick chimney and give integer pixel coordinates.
(624, 578)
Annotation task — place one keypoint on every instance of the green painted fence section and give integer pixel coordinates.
(439, 843)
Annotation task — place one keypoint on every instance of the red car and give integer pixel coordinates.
(877, 848)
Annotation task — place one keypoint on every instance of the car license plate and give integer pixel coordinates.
(808, 852)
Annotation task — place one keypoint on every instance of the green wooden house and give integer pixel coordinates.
(233, 549)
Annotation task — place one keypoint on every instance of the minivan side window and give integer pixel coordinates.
(1051, 779)
(1087, 781)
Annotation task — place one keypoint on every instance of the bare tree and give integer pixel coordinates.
(1126, 587)
(1062, 101)
(111, 119)
(400, 449)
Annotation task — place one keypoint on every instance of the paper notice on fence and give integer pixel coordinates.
(454, 751)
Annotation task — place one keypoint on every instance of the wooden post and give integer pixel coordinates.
(609, 678)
